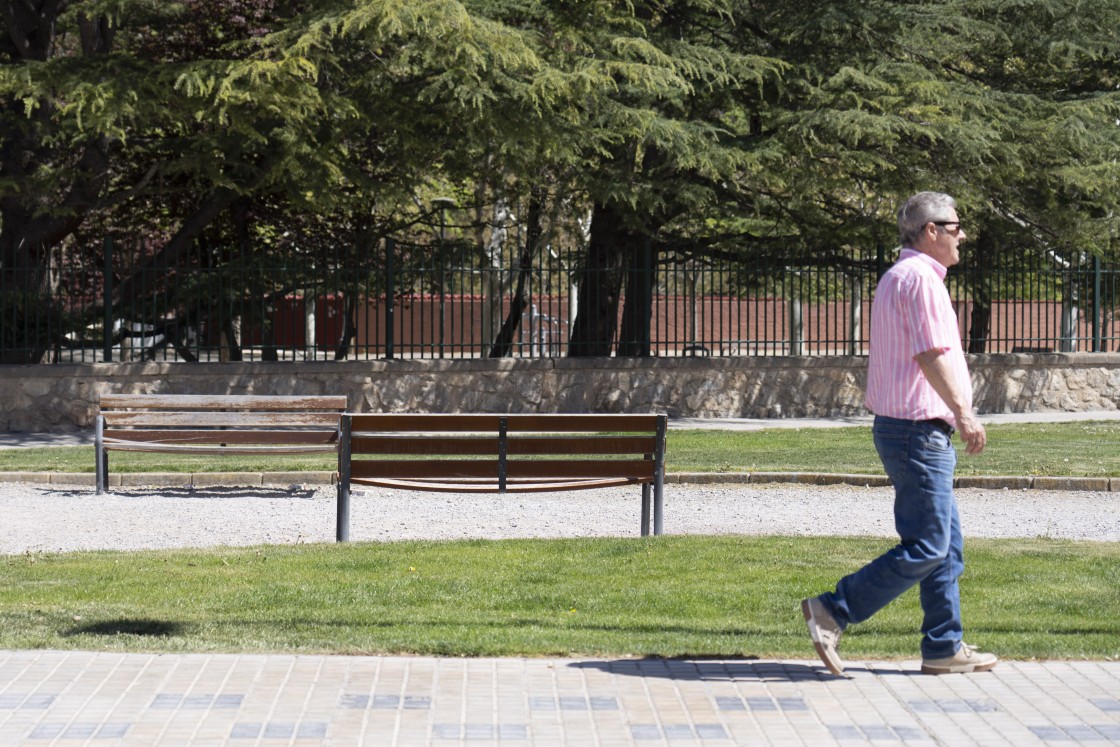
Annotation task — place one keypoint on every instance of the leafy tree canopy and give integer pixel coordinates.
(752, 127)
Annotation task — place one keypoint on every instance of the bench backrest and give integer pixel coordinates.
(226, 419)
(502, 450)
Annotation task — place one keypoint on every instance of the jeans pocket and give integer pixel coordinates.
(893, 446)
(937, 456)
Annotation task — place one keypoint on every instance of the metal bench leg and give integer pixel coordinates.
(342, 517)
(342, 527)
(659, 475)
(645, 509)
(100, 458)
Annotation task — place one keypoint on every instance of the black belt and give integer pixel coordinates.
(940, 425)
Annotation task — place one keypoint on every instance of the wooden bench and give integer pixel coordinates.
(215, 424)
(476, 453)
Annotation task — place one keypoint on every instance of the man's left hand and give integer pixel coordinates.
(972, 432)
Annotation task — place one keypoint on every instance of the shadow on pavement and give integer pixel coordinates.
(731, 670)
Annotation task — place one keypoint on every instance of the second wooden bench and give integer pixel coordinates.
(215, 424)
(487, 453)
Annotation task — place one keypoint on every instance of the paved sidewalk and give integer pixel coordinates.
(76, 698)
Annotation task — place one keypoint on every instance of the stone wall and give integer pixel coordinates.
(64, 397)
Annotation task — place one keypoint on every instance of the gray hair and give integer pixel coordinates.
(919, 210)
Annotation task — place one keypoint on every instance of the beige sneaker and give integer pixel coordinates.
(967, 659)
(825, 632)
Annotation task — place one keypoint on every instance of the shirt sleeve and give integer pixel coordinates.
(928, 315)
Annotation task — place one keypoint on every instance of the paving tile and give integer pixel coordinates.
(246, 730)
(1111, 705)
(61, 698)
(112, 731)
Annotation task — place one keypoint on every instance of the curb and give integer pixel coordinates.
(292, 479)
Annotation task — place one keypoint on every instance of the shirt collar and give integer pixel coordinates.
(908, 253)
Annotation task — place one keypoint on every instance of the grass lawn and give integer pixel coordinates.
(1080, 449)
(669, 596)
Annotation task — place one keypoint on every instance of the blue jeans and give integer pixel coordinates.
(919, 459)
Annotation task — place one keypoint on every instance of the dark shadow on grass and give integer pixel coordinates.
(139, 627)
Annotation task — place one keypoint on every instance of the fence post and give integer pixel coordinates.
(1096, 303)
(107, 303)
(1068, 332)
(796, 331)
(855, 315)
(1068, 341)
(443, 203)
(647, 296)
(390, 294)
(310, 340)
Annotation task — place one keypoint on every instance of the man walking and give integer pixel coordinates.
(919, 389)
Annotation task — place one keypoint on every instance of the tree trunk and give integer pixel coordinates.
(503, 341)
(27, 233)
(601, 282)
(980, 321)
(493, 281)
(637, 309)
(349, 327)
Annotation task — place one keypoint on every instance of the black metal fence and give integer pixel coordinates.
(452, 300)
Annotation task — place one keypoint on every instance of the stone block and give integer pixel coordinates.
(297, 478)
(39, 478)
(798, 477)
(868, 481)
(213, 479)
(135, 479)
(994, 482)
(709, 478)
(1071, 483)
(77, 478)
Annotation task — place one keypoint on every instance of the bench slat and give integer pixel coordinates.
(210, 449)
(220, 419)
(642, 469)
(492, 487)
(222, 401)
(220, 437)
(467, 423)
(517, 445)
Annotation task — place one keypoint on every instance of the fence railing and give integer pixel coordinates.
(399, 301)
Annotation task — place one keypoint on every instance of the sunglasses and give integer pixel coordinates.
(956, 225)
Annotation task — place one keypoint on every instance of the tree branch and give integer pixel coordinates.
(166, 257)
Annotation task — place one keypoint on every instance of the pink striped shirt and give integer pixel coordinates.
(912, 313)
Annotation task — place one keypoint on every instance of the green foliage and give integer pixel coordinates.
(761, 127)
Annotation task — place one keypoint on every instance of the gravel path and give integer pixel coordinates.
(39, 518)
